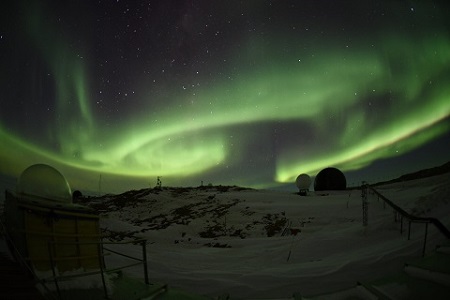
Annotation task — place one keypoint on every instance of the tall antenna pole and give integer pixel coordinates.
(365, 203)
(100, 184)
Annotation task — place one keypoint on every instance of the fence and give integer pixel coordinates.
(399, 212)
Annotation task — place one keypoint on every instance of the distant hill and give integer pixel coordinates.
(445, 168)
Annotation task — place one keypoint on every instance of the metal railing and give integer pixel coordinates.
(102, 266)
(402, 214)
(102, 251)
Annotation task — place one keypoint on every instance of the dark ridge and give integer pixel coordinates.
(137, 194)
(445, 168)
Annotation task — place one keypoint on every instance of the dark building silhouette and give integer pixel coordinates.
(330, 179)
(76, 195)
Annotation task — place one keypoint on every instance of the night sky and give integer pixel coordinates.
(250, 93)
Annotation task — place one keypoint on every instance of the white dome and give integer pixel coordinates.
(44, 181)
(303, 181)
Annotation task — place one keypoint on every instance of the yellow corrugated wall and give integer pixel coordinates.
(69, 233)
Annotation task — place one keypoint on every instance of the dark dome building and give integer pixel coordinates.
(330, 179)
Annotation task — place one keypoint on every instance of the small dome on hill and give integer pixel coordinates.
(330, 179)
(303, 181)
(46, 182)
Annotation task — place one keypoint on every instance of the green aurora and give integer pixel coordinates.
(350, 107)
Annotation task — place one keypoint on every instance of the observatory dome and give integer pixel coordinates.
(303, 182)
(330, 179)
(44, 181)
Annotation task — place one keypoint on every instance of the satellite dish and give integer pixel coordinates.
(303, 183)
(44, 181)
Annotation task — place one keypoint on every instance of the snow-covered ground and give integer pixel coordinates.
(219, 240)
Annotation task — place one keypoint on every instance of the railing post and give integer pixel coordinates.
(100, 259)
(409, 230)
(50, 256)
(401, 225)
(144, 257)
(425, 239)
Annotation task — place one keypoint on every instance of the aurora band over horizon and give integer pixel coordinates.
(352, 107)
